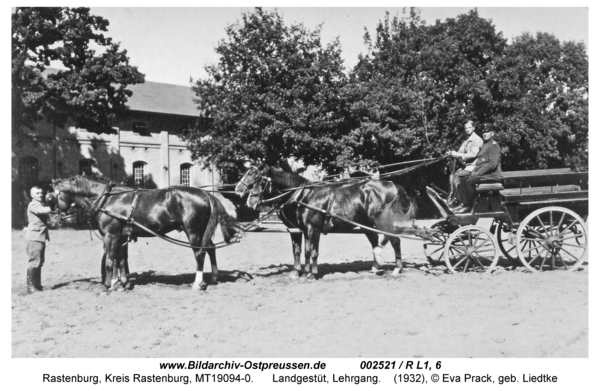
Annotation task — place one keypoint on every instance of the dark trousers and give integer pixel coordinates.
(465, 193)
(36, 252)
(457, 182)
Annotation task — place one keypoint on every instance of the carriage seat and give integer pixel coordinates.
(486, 187)
(539, 190)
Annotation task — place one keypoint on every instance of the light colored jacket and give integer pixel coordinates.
(37, 214)
(470, 148)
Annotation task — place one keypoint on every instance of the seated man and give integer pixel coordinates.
(487, 165)
(467, 153)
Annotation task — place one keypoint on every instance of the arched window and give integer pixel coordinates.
(28, 170)
(185, 174)
(139, 174)
(85, 166)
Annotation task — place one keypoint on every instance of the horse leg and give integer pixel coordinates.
(395, 242)
(296, 249)
(103, 269)
(311, 253)
(212, 254)
(377, 250)
(199, 284)
(123, 266)
(111, 249)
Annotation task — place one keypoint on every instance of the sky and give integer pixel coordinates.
(173, 45)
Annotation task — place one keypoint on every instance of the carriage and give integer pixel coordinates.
(538, 217)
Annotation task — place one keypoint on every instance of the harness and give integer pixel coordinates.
(328, 214)
(98, 206)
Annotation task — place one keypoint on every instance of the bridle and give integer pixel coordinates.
(259, 180)
(91, 211)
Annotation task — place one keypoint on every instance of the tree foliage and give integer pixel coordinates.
(93, 87)
(275, 93)
(411, 95)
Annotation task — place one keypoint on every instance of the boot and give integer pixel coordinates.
(31, 275)
(38, 278)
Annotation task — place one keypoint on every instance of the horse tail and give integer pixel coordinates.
(226, 216)
(213, 221)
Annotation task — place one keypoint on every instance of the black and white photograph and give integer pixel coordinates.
(300, 182)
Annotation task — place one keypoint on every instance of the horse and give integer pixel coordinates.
(116, 210)
(311, 209)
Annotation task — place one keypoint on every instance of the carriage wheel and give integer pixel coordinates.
(471, 248)
(434, 249)
(503, 237)
(552, 238)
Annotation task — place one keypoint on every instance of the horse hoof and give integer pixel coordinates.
(396, 272)
(294, 275)
(310, 277)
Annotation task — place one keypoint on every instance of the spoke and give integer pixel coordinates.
(573, 237)
(533, 248)
(480, 264)
(543, 262)
(542, 224)
(512, 248)
(540, 240)
(551, 226)
(466, 265)
(477, 237)
(460, 250)
(573, 245)
(533, 232)
(566, 229)
(486, 247)
(530, 262)
(481, 245)
(553, 261)
(469, 236)
(574, 257)
(439, 249)
(562, 261)
(560, 222)
(461, 261)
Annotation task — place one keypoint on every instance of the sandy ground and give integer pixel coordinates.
(257, 311)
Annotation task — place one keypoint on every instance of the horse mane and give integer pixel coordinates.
(286, 180)
(82, 185)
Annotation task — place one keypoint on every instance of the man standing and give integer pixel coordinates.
(487, 165)
(467, 152)
(37, 234)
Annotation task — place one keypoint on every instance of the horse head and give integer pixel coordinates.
(63, 197)
(254, 182)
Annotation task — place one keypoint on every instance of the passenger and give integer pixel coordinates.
(487, 165)
(467, 153)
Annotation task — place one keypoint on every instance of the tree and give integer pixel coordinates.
(411, 95)
(274, 94)
(419, 84)
(540, 89)
(91, 89)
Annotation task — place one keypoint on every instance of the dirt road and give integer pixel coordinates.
(257, 311)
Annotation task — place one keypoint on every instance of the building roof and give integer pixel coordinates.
(156, 97)
(162, 98)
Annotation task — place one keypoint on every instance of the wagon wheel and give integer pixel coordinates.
(471, 248)
(504, 239)
(434, 248)
(552, 238)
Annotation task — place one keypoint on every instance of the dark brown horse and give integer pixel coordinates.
(180, 208)
(371, 203)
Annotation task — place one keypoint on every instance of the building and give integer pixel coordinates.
(144, 151)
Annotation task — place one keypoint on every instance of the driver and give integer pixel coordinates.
(37, 234)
